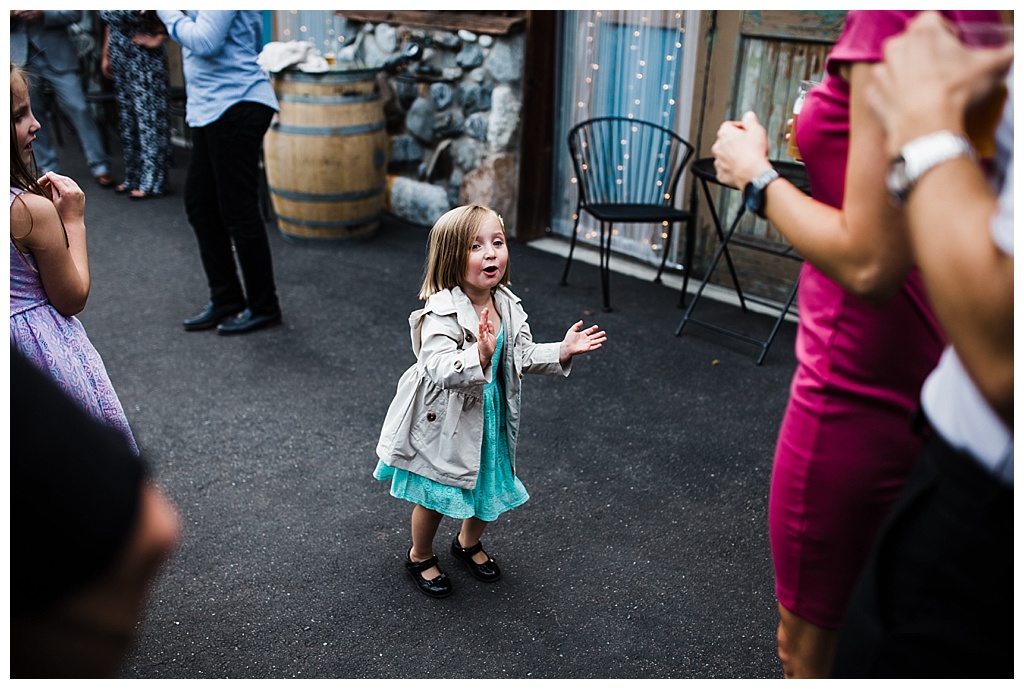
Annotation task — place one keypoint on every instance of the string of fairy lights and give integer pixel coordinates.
(627, 64)
(320, 27)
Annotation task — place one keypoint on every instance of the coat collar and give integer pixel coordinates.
(454, 302)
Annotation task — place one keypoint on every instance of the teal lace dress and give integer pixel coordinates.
(497, 488)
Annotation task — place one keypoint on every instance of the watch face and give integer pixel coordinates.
(754, 192)
(896, 180)
(752, 198)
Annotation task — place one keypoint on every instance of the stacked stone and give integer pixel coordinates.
(453, 118)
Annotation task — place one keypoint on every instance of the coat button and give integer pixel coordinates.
(431, 416)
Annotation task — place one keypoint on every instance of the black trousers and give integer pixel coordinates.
(936, 598)
(223, 207)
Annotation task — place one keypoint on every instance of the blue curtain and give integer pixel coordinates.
(320, 27)
(635, 66)
(625, 63)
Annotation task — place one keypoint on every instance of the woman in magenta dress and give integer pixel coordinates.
(866, 340)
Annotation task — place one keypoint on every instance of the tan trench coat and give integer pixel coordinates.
(434, 426)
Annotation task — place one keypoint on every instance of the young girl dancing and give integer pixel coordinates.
(50, 273)
(448, 443)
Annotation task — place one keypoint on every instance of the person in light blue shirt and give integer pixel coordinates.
(230, 104)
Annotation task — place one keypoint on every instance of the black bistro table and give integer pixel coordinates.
(704, 170)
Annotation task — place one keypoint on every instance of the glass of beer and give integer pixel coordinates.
(982, 118)
(791, 149)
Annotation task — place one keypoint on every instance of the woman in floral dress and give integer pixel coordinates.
(135, 58)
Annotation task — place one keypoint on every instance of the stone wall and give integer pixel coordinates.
(452, 118)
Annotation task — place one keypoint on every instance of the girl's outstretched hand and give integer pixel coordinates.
(578, 341)
(487, 339)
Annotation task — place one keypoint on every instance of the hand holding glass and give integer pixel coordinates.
(981, 119)
(791, 149)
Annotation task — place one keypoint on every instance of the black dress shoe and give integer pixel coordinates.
(210, 316)
(438, 587)
(488, 571)
(246, 322)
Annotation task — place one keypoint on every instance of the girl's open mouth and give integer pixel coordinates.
(491, 270)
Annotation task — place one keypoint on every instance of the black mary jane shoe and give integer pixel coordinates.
(488, 571)
(211, 316)
(438, 587)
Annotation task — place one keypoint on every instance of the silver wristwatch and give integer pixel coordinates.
(753, 193)
(919, 156)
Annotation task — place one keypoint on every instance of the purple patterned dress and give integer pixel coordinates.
(59, 345)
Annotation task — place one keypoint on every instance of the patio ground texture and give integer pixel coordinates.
(643, 552)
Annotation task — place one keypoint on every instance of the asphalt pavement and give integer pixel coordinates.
(642, 553)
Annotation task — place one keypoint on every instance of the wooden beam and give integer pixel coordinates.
(816, 25)
(495, 23)
(537, 126)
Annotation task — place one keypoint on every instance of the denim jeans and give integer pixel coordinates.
(223, 207)
(67, 88)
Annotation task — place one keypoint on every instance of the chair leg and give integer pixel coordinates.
(778, 322)
(606, 251)
(664, 253)
(572, 245)
(688, 257)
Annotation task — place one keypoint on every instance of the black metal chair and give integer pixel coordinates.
(627, 171)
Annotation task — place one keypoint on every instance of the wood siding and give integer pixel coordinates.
(767, 53)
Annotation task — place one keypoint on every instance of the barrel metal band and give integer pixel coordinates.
(327, 224)
(328, 100)
(328, 131)
(327, 198)
(351, 76)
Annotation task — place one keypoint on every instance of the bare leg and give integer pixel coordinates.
(424, 528)
(472, 529)
(805, 649)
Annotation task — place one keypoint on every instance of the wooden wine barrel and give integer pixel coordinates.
(326, 154)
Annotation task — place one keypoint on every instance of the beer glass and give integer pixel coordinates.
(791, 149)
(982, 118)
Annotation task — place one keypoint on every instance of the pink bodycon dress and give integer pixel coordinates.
(846, 442)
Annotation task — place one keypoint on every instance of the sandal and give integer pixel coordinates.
(438, 587)
(121, 188)
(488, 571)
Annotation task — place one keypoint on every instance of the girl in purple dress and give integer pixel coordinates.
(50, 273)
(866, 340)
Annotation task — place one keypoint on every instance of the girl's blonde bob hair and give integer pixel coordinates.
(451, 240)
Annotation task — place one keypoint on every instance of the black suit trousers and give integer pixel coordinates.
(223, 207)
(936, 598)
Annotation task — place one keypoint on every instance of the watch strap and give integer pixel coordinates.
(920, 155)
(756, 197)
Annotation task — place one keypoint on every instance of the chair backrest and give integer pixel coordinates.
(625, 161)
